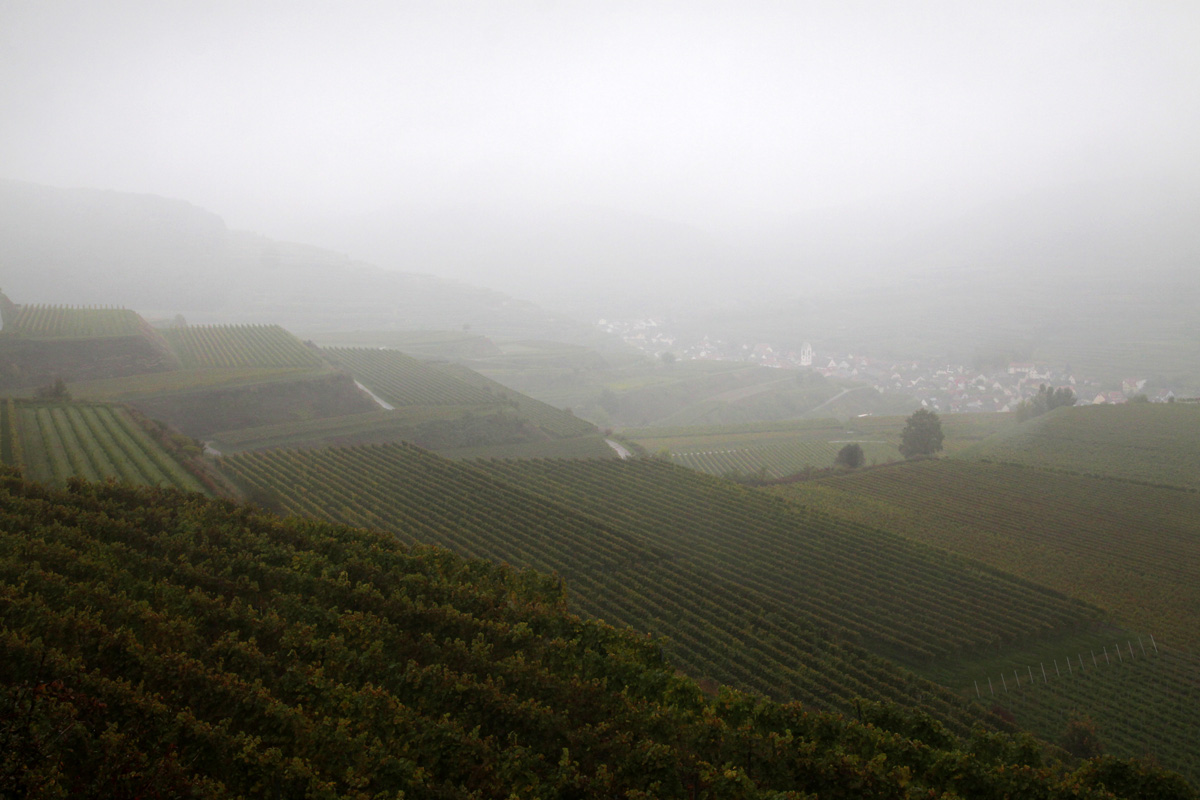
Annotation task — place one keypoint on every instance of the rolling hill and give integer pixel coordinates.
(158, 644)
(1128, 547)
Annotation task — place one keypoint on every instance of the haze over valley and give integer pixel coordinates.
(545, 399)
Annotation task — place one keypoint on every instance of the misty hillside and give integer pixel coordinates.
(165, 257)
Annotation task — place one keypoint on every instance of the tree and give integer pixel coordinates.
(53, 391)
(922, 434)
(851, 456)
(1082, 738)
(1046, 399)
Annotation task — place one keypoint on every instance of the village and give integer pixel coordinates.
(939, 386)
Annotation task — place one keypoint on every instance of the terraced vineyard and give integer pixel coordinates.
(242, 346)
(776, 459)
(160, 645)
(57, 441)
(1130, 548)
(779, 449)
(553, 421)
(750, 591)
(1140, 695)
(1152, 442)
(372, 427)
(402, 380)
(962, 430)
(70, 322)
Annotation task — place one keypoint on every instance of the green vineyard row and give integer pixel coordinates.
(402, 380)
(749, 592)
(59, 441)
(157, 644)
(68, 322)
(242, 346)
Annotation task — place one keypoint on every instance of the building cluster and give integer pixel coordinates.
(951, 388)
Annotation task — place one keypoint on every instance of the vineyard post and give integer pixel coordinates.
(977, 694)
(1154, 643)
(1004, 682)
(1120, 657)
(1130, 648)
(1095, 663)
(1030, 668)
(1057, 671)
(1142, 645)
(990, 687)
(1017, 678)
(1081, 660)
(1107, 660)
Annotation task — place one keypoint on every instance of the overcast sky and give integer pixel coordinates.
(726, 116)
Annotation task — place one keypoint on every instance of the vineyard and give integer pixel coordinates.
(402, 380)
(160, 645)
(68, 322)
(1151, 442)
(1141, 696)
(553, 421)
(751, 592)
(242, 346)
(58, 441)
(371, 427)
(778, 449)
(776, 459)
(1129, 548)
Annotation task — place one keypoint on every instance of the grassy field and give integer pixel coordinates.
(1152, 442)
(778, 449)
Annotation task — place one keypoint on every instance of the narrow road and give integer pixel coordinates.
(621, 451)
(376, 397)
(837, 396)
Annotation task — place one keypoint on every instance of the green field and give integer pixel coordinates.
(751, 592)
(1152, 442)
(69, 322)
(240, 346)
(779, 449)
(59, 441)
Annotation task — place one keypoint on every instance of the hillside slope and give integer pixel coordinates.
(1130, 548)
(161, 645)
(751, 592)
(1150, 442)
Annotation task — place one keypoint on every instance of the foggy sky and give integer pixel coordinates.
(291, 118)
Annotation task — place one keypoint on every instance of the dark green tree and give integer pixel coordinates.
(851, 456)
(53, 391)
(1046, 399)
(922, 434)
